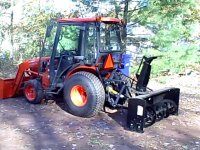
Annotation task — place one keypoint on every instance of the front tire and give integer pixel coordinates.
(84, 94)
(33, 91)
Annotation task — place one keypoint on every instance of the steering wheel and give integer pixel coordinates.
(68, 52)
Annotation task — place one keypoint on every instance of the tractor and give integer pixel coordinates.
(82, 59)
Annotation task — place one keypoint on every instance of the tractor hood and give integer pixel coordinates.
(35, 62)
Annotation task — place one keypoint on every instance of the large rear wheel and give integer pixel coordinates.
(33, 91)
(84, 94)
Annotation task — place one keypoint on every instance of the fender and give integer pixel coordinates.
(91, 69)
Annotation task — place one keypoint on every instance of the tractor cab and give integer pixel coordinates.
(83, 43)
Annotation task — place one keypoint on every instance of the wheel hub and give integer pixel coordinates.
(30, 92)
(78, 96)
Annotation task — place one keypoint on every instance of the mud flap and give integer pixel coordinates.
(145, 110)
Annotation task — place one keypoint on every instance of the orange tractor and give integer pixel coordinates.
(82, 58)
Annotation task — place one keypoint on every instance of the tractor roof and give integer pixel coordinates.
(94, 19)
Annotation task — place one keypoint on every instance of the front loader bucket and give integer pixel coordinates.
(145, 110)
(6, 88)
(11, 87)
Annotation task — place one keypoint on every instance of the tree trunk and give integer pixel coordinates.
(125, 18)
(11, 30)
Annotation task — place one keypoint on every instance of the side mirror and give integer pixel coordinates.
(49, 29)
(41, 43)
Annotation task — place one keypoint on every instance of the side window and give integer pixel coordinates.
(110, 37)
(48, 45)
(91, 42)
(69, 39)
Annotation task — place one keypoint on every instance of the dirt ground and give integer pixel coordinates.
(24, 126)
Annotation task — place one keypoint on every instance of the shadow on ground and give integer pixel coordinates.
(48, 126)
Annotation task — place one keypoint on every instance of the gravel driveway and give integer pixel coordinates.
(24, 126)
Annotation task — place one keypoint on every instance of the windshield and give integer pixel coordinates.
(79, 39)
(69, 39)
(110, 37)
(49, 40)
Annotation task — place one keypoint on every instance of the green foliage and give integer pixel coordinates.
(33, 29)
(7, 67)
(171, 21)
(165, 11)
(5, 4)
(69, 38)
(175, 60)
(165, 37)
(71, 32)
(168, 20)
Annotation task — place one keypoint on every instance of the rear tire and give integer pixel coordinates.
(33, 91)
(90, 98)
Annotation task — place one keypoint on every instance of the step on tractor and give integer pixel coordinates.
(82, 59)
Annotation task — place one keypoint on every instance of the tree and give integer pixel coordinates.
(32, 27)
(4, 6)
(170, 20)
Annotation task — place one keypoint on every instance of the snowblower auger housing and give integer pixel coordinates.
(81, 59)
(145, 110)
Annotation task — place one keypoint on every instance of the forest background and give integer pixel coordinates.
(168, 28)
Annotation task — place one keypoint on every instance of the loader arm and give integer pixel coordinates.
(20, 76)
